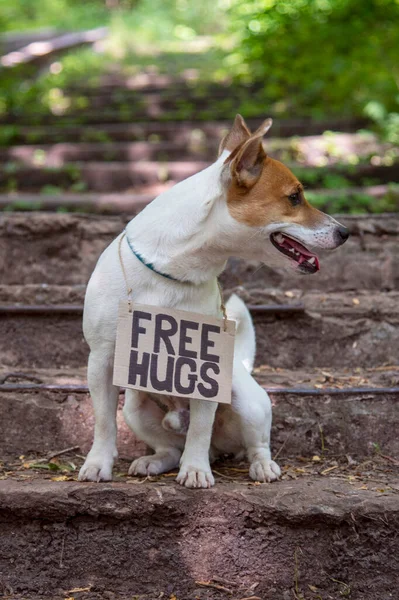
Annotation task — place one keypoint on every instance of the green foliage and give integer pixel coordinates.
(51, 190)
(319, 57)
(158, 21)
(355, 202)
(387, 121)
(61, 14)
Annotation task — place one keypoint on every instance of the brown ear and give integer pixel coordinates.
(246, 167)
(239, 133)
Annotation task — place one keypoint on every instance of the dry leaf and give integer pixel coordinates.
(289, 294)
(60, 478)
(316, 458)
(356, 301)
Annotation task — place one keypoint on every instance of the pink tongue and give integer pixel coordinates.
(293, 244)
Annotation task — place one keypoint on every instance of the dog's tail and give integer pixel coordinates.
(245, 343)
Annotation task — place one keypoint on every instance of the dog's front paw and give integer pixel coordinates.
(264, 470)
(96, 469)
(195, 477)
(154, 464)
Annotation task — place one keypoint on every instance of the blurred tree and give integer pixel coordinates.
(319, 56)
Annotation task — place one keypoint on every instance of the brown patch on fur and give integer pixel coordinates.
(238, 135)
(266, 201)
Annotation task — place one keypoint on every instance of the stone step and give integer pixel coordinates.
(333, 537)
(56, 155)
(137, 111)
(151, 83)
(310, 150)
(127, 203)
(128, 176)
(40, 52)
(89, 202)
(11, 41)
(324, 412)
(181, 132)
(165, 110)
(62, 249)
(42, 325)
(100, 177)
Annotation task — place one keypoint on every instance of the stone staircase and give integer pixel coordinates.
(327, 353)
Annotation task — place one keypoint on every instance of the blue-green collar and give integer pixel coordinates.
(150, 265)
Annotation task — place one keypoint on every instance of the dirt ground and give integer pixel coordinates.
(325, 531)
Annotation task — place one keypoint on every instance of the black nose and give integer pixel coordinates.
(341, 234)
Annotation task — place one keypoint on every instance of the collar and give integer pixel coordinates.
(150, 265)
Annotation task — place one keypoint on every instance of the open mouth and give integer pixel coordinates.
(307, 262)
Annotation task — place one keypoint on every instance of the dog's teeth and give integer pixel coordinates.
(312, 260)
(292, 250)
(279, 238)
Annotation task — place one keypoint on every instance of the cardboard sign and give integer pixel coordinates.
(174, 352)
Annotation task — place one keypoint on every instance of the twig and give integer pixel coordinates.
(51, 455)
(54, 454)
(31, 378)
(322, 439)
(347, 588)
(252, 588)
(216, 586)
(328, 470)
(297, 593)
(296, 571)
(392, 460)
(238, 470)
(221, 475)
(225, 581)
(148, 478)
(283, 445)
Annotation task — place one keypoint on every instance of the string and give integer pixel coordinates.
(129, 290)
(222, 306)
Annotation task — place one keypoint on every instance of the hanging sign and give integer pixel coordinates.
(174, 352)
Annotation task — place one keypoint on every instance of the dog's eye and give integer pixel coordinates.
(295, 199)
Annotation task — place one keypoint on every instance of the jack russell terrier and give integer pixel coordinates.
(247, 205)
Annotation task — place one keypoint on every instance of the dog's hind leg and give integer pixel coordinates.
(144, 418)
(252, 405)
(100, 460)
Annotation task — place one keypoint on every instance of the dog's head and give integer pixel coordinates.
(269, 202)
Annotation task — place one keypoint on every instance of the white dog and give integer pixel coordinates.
(245, 204)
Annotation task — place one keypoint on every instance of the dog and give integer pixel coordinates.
(248, 205)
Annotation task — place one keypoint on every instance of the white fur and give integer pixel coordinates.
(188, 233)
